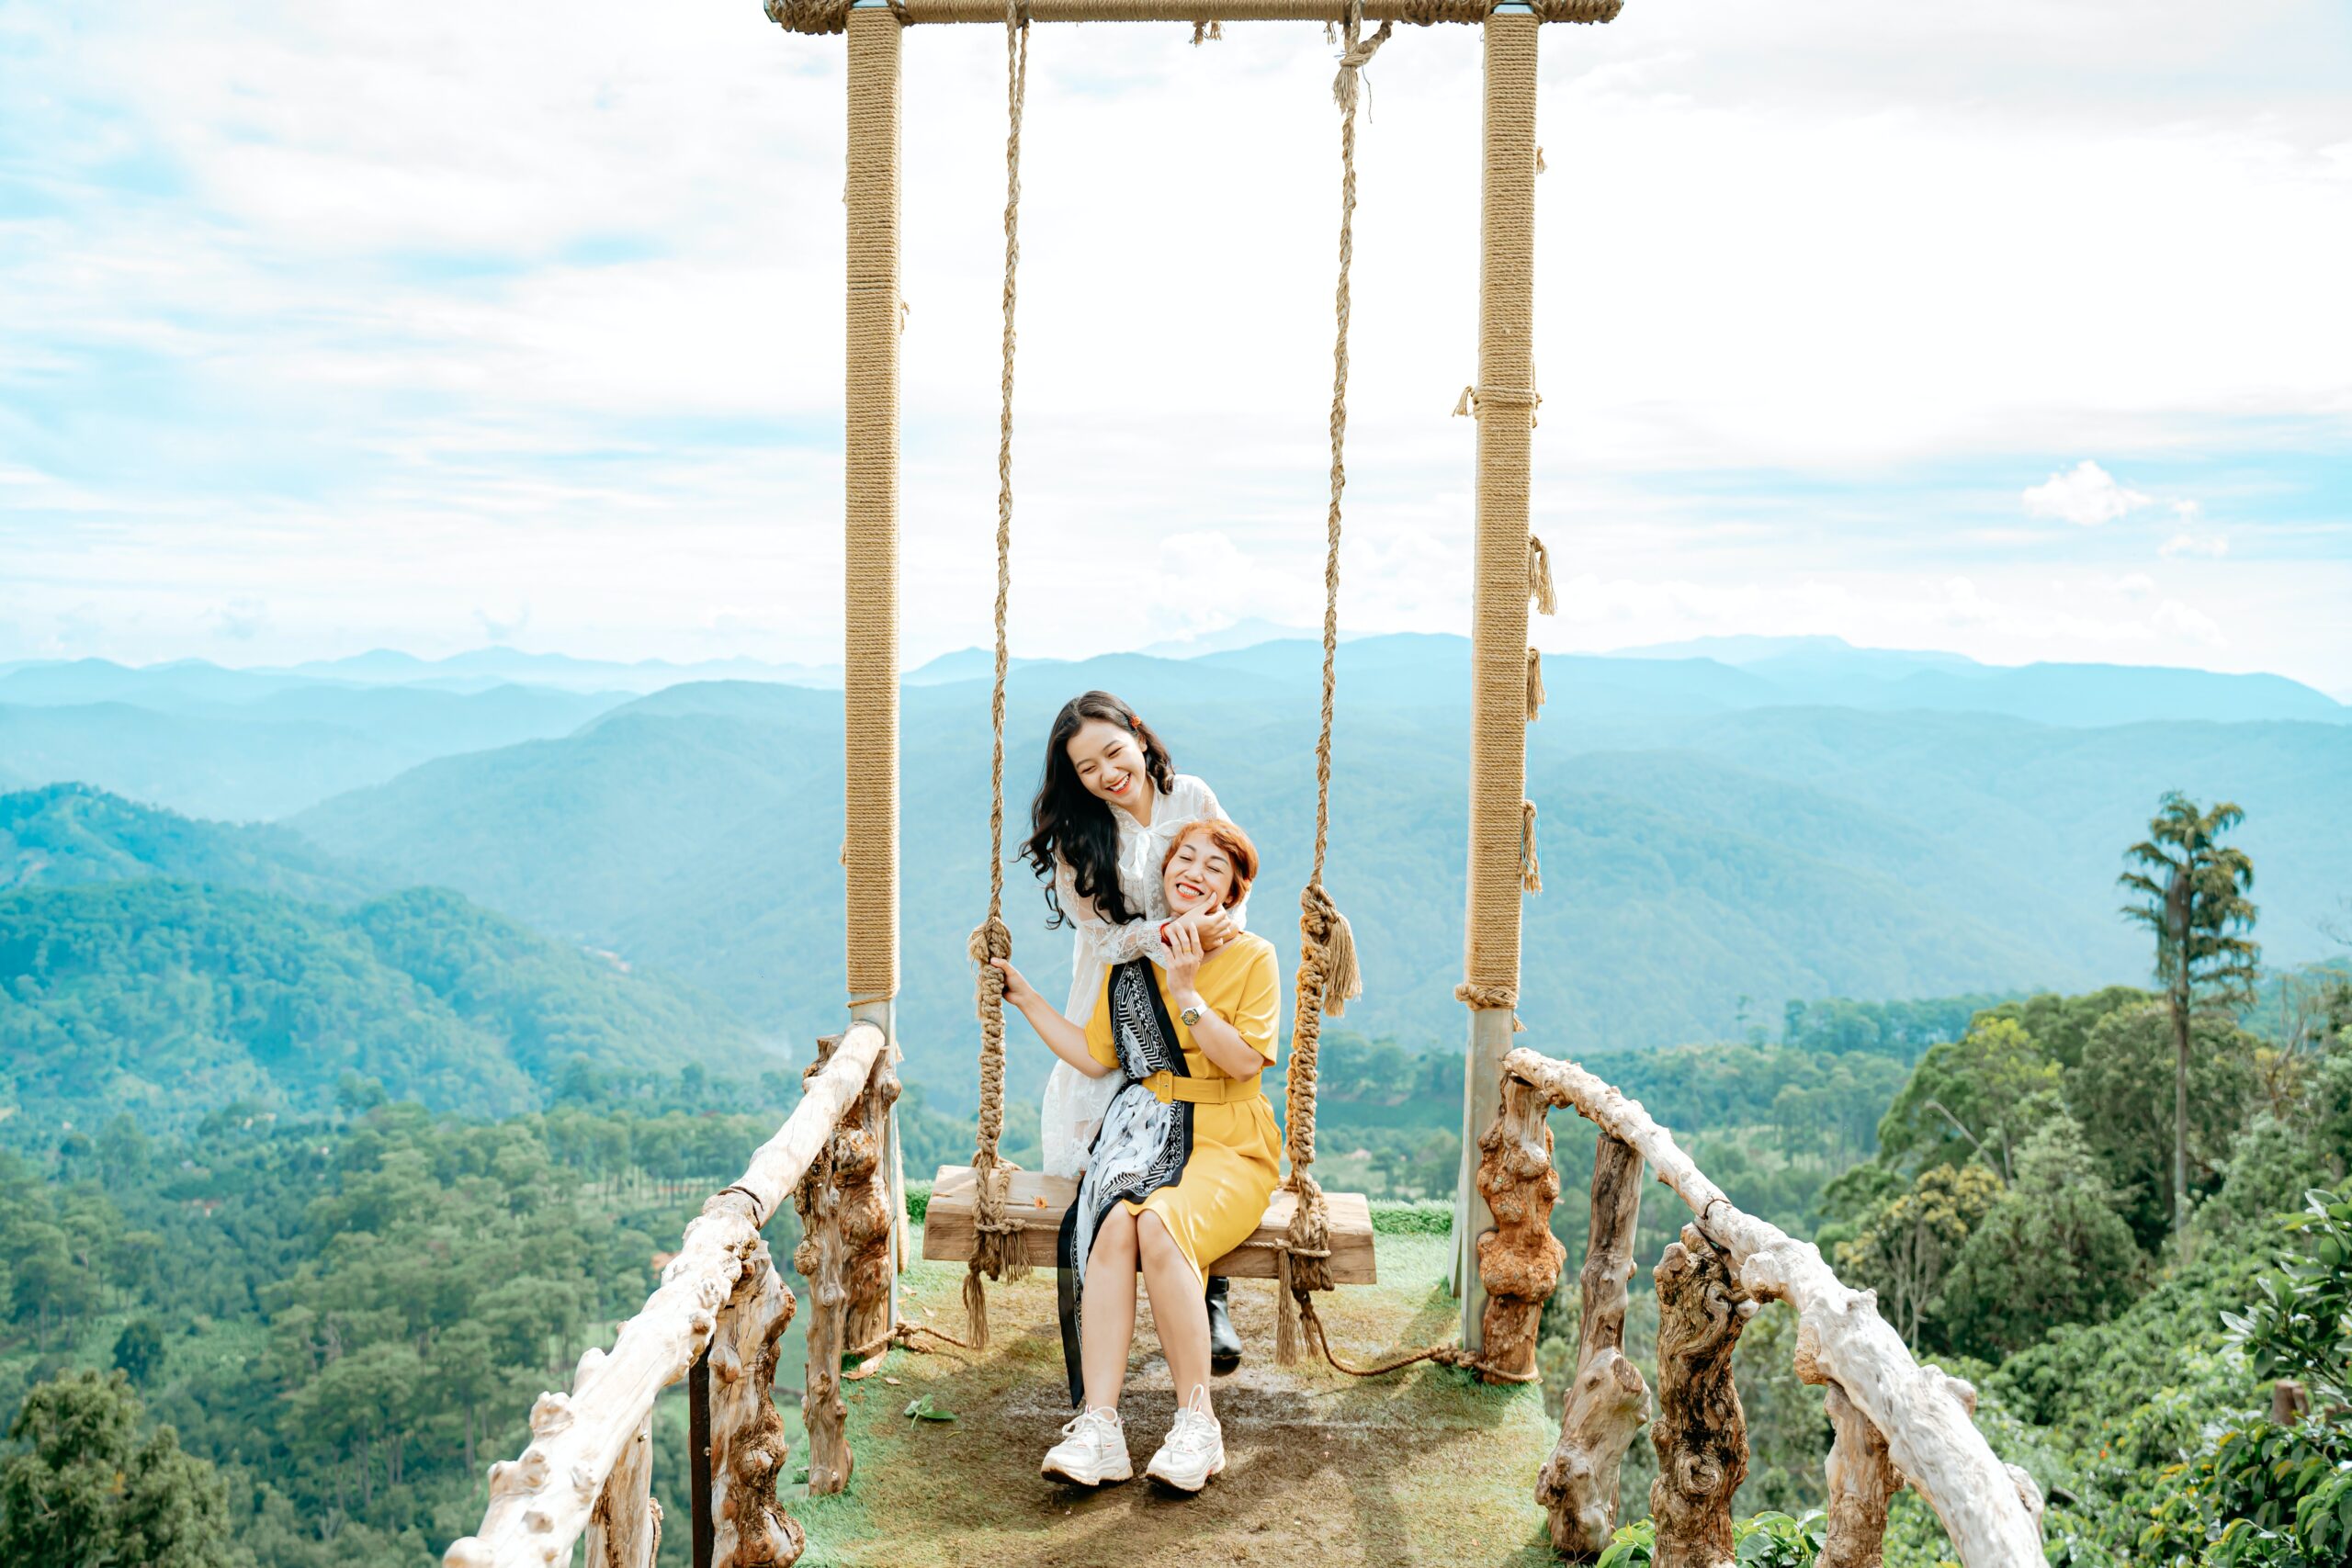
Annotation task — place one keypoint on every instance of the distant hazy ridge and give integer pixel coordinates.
(1789, 820)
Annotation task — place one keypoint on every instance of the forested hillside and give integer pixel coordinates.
(358, 1309)
(68, 833)
(168, 1000)
(1705, 864)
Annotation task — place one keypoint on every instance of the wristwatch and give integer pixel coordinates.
(1191, 1016)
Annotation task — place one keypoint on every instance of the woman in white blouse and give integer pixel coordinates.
(1108, 805)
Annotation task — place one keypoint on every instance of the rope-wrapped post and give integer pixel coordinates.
(996, 1251)
(870, 650)
(1500, 859)
(1328, 975)
(870, 556)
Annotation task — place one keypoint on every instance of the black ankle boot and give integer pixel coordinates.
(1225, 1346)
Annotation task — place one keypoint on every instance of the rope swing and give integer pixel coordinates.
(1329, 976)
(997, 1250)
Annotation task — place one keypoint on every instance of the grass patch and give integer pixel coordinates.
(1422, 1216)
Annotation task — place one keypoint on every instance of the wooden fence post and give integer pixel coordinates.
(822, 1260)
(860, 1152)
(626, 1529)
(1863, 1482)
(750, 1528)
(1608, 1402)
(1701, 1433)
(1518, 1260)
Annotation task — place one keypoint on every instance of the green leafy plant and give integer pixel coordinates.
(2302, 1326)
(2265, 1494)
(920, 1408)
(1768, 1540)
(1630, 1547)
(1780, 1541)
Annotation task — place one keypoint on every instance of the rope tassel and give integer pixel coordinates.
(975, 1307)
(1327, 953)
(1539, 578)
(1531, 869)
(1534, 685)
(1286, 1312)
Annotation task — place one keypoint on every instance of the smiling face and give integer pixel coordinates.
(1199, 872)
(1108, 763)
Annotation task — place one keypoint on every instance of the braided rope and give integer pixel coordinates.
(996, 1250)
(1327, 974)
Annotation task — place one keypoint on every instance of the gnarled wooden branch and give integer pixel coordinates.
(1608, 1402)
(859, 1164)
(1520, 1258)
(624, 1531)
(1701, 1433)
(1862, 1482)
(540, 1504)
(822, 1260)
(750, 1527)
(1992, 1520)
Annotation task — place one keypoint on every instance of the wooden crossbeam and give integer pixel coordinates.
(805, 17)
(1038, 1201)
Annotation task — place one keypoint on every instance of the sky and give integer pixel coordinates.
(2013, 329)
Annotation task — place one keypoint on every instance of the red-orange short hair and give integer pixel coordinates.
(1228, 837)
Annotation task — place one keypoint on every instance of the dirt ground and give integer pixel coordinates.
(1421, 1466)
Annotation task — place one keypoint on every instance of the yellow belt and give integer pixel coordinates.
(1202, 1091)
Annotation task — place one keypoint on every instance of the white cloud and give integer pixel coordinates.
(2136, 585)
(1962, 604)
(2211, 546)
(2086, 496)
(241, 619)
(549, 301)
(2178, 618)
(503, 627)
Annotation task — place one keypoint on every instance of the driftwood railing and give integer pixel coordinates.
(1893, 1420)
(717, 1318)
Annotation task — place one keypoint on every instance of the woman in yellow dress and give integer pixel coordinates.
(1181, 1169)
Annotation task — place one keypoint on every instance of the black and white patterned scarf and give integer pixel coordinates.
(1141, 1146)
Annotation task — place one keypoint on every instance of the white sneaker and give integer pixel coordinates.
(1094, 1450)
(1195, 1450)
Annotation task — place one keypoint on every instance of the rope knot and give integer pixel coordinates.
(990, 939)
(1329, 943)
(1357, 55)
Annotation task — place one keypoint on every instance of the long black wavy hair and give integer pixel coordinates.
(1068, 821)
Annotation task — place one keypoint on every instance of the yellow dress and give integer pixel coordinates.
(1237, 1150)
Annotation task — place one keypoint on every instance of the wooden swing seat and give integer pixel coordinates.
(1037, 1201)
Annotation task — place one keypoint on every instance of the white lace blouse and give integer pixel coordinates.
(1074, 1103)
